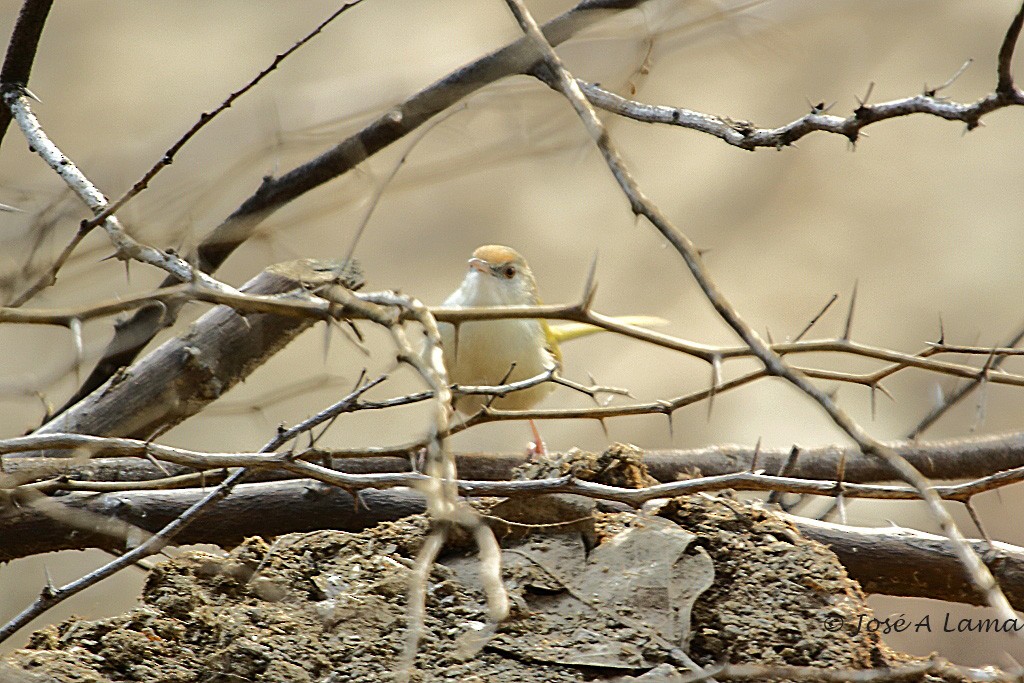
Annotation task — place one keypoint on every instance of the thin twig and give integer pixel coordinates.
(168, 157)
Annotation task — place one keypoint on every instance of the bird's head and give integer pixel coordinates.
(498, 276)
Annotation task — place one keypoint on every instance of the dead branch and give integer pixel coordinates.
(974, 457)
(184, 375)
(897, 561)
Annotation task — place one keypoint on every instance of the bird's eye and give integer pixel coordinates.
(509, 271)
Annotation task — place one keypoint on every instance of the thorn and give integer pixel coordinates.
(757, 453)
(977, 521)
(881, 388)
(841, 506)
(50, 589)
(593, 396)
(815, 319)
(849, 315)
(31, 95)
(768, 334)
(351, 333)
(5, 207)
(604, 427)
(794, 453)
(942, 331)
(820, 107)
(959, 72)
(327, 341)
(873, 402)
(867, 95)
(127, 271)
(590, 285)
(75, 325)
(359, 380)
(979, 419)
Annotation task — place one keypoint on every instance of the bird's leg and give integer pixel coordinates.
(536, 447)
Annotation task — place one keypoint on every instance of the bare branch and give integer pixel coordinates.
(745, 135)
(184, 375)
(127, 248)
(915, 563)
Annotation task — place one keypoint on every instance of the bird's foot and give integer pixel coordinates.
(535, 448)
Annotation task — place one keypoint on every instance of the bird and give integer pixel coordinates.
(496, 352)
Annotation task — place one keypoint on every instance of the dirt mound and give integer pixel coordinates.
(706, 579)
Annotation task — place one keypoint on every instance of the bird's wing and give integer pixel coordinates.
(569, 331)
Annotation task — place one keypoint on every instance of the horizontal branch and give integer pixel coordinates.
(746, 135)
(973, 458)
(873, 557)
(896, 561)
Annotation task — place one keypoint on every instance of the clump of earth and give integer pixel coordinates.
(625, 596)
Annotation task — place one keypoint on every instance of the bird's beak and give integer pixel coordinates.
(479, 264)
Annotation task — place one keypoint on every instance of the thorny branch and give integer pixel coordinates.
(513, 59)
(890, 560)
(773, 362)
(298, 462)
(127, 248)
(168, 157)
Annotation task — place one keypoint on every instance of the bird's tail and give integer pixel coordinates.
(569, 331)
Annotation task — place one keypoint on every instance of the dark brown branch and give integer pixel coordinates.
(878, 559)
(21, 51)
(1005, 83)
(972, 458)
(896, 561)
(280, 507)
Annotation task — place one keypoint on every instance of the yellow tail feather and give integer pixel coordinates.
(567, 331)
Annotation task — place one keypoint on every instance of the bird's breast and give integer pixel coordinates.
(494, 352)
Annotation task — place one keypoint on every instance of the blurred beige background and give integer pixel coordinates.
(925, 218)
